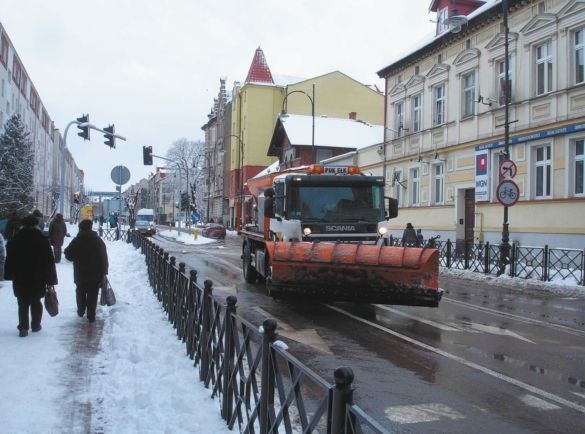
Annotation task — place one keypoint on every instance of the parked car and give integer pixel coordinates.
(214, 230)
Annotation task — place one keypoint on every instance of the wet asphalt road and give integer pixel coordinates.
(492, 357)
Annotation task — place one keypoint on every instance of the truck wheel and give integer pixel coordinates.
(250, 273)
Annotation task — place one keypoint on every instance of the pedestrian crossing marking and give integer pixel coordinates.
(536, 402)
(432, 412)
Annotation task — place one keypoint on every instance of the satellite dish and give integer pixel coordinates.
(456, 23)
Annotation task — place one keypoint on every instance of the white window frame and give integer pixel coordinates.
(543, 58)
(542, 171)
(579, 56)
(416, 102)
(577, 181)
(442, 15)
(399, 118)
(468, 82)
(438, 186)
(501, 80)
(397, 187)
(439, 104)
(414, 184)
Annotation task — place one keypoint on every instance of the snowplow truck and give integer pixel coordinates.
(322, 231)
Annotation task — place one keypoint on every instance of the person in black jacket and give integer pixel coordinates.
(57, 233)
(409, 238)
(31, 267)
(90, 265)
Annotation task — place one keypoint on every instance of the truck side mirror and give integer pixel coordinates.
(392, 208)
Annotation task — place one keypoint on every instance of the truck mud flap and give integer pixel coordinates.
(356, 272)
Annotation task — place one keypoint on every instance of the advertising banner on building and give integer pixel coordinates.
(482, 185)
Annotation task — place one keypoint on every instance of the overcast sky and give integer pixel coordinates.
(153, 67)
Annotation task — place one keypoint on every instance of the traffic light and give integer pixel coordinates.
(147, 155)
(109, 135)
(84, 129)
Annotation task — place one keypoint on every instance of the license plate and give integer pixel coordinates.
(336, 170)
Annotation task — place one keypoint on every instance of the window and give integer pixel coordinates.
(579, 40)
(469, 94)
(416, 102)
(442, 15)
(414, 185)
(16, 72)
(579, 167)
(398, 115)
(502, 81)
(542, 171)
(396, 186)
(439, 100)
(438, 171)
(544, 67)
(4, 50)
(323, 154)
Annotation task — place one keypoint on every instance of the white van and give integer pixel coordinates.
(145, 221)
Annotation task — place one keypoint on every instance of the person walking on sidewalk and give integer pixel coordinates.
(57, 233)
(88, 253)
(31, 267)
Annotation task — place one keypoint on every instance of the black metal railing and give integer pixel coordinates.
(261, 387)
(525, 262)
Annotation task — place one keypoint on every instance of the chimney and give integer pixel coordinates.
(353, 116)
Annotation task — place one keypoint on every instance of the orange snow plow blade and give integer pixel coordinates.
(354, 272)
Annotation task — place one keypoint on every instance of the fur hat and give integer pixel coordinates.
(85, 225)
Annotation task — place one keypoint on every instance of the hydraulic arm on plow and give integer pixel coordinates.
(322, 231)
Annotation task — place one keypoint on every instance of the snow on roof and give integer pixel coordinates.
(431, 37)
(331, 132)
(274, 167)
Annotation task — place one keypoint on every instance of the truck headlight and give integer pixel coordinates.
(382, 230)
(307, 232)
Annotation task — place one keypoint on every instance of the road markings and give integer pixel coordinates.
(498, 331)
(510, 380)
(306, 336)
(405, 414)
(419, 319)
(516, 317)
(536, 402)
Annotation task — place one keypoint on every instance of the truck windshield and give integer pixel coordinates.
(337, 203)
(144, 218)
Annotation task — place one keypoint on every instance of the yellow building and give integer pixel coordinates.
(255, 105)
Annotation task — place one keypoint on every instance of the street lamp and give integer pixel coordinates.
(241, 161)
(312, 100)
(505, 246)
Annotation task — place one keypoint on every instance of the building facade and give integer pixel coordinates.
(446, 117)
(18, 95)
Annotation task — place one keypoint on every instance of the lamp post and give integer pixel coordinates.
(312, 100)
(505, 246)
(208, 157)
(241, 164)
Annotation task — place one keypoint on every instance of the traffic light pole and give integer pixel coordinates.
(63, 168)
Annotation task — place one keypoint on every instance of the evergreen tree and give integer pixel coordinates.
(16, 168)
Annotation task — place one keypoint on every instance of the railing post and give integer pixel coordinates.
(341, 396)
(449, 247)
(228, 362)
(192, 312)
(267, 387)
(205, 330)
(466, 248)
(545, 264)
(486, 258)
(513, 260)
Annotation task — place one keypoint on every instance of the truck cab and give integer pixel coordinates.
(145, 221)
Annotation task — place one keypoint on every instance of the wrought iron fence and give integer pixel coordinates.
(525, 262)
(261, 387)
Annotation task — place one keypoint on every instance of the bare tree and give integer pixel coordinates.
(187, 157)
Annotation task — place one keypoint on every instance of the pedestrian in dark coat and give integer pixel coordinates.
(57, 233)
(2, 256)
(90, 265)
(409, 236)
(31, 267)
(39, 215)
(12, 226)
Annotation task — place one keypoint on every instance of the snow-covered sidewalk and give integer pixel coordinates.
(126, 373)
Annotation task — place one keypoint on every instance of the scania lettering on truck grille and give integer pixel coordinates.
(340, 228)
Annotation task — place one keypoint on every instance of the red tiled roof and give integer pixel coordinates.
(259, 70)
